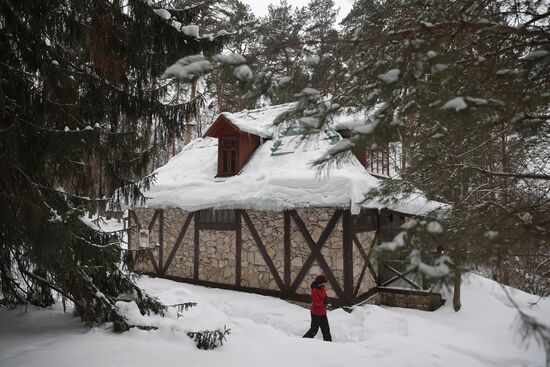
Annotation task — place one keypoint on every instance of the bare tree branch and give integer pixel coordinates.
(530, 176)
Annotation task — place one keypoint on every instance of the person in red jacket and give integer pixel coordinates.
(319, 309)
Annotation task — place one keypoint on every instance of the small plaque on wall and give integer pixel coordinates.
(144, 238)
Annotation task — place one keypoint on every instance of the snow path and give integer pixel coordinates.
(267, 332)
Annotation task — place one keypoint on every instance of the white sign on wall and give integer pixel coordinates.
(144, 238)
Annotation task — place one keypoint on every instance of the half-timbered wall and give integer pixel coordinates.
(271, 252)
(316, 221)
(365, 268)
(181, 264)
(255, 271)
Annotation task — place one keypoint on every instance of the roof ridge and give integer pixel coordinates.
(260, 109)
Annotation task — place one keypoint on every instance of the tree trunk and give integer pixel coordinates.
(505, 198)
(220, 96)
(188, 135)
(456, 295)
(240, 104)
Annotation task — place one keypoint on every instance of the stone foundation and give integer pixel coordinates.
(419, 300)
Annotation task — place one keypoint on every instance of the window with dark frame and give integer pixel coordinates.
(386, 161)
(228, 155)
(366, 221)
(378, 161)
(390, 225)
(217, 216)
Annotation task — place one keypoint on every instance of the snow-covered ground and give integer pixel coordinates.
(267, 332)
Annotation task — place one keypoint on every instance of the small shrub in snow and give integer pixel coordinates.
(209, 339)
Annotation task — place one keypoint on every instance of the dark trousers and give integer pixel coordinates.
(316, 322)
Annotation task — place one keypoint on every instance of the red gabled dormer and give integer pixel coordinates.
(234, 146)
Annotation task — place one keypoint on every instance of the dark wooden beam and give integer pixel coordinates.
(347, 257)
(266, 292)
(365, 256)
(359, 246)
(153, 220)
(196, 254)
(315, 254)
(400, 276)
(134, 215)
(360, 280)
(287, 259)
(376, 242)
(238, 248)
(178, 242)
(161, 240)
(263, 251)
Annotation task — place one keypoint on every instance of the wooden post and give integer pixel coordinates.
(287, 257)
(377, 242)
(238, 245)
(347, 257)
(161, 241)
(196, 251)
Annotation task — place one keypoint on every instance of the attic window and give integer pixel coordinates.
(228, 156)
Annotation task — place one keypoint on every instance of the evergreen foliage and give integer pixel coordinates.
(209, 339)
(82, 114)
(464, 87)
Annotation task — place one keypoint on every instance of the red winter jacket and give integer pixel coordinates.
(318, 298)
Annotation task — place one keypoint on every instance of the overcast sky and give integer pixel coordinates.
(259, 7)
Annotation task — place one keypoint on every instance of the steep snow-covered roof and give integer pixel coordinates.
(259, 121)
(349, 119)
(279, 175)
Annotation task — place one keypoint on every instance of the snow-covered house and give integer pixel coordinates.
(244, 208)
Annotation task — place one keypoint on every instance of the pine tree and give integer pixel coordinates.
(464, 85)
(82, 114)
(282, 55)
(324, 59)
(242, 25)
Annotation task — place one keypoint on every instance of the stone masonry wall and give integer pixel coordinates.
(217, 256)
(418, 300)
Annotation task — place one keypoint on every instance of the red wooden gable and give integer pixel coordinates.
(222, 127)
(234, 146)
(361, 155)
